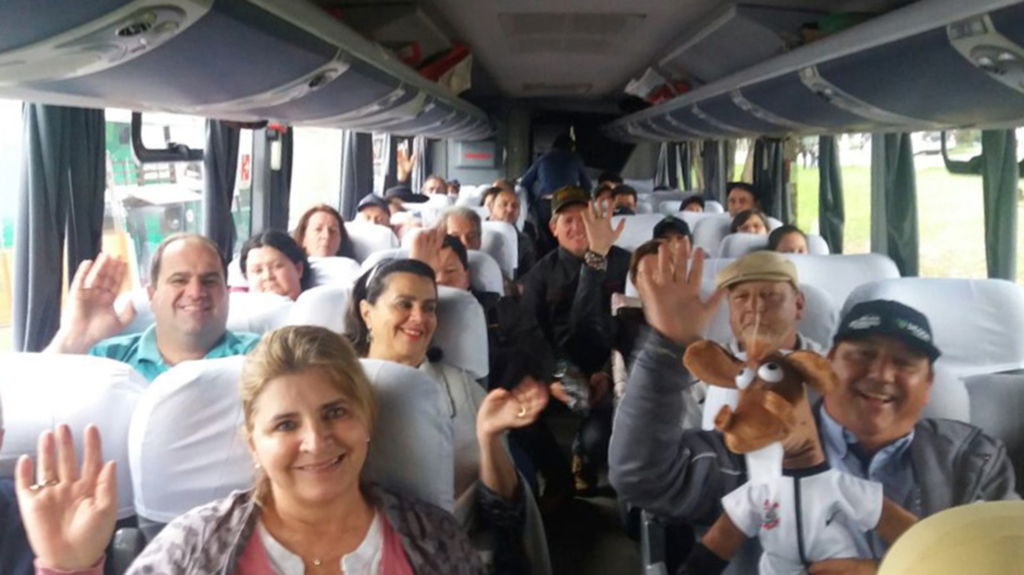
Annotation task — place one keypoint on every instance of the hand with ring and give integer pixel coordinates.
(69, 517)
(504, 409)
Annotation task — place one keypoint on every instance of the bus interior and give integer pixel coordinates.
(886, 129)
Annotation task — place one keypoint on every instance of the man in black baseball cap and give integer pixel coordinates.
(870, 421)
(374, 209)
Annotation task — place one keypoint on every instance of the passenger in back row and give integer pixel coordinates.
(373, 209)
(787, 239)
(505, 208)
(740, 197)
(569, 292)
(624, 197)
(750, 222)
(187, 292)
(869, 423)
(321, 232)
(274, 263)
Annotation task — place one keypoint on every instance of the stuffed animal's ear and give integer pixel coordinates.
(712, 364)
(815, 369)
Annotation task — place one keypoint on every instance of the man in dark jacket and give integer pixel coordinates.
(869, 423)
(15, 554)
(554, 170)
(569, 292)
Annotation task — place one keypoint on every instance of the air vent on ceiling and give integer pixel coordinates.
(569, 32)
(536, 89)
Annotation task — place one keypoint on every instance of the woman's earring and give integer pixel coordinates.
(367, 439)
(369, 335)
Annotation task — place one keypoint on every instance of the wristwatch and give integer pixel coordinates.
(595, 261)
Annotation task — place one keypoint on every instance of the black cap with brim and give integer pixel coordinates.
(567, 196)
(891, 319)
(670, 224)
(372, 200)
(405, 194)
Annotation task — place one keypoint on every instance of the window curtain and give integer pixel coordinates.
(831, 209)
(769, 178)
(423, 166)
(685, 162)
(390, 161)
(61, 193)
(356, 171)
(220, 162)
(714, 170)
(894, 226)
(281, 183)
(669, 166)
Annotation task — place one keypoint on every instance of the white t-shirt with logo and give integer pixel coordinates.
(805, 519)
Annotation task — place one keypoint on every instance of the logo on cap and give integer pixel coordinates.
(866, 322)
(916, 330)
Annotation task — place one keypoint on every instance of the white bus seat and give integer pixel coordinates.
(256, 312)
(430, 210)
(711, 268)
(334, 271)
(670, 207)
(481, 211)
(997, 401)
(977, 324)
(641, 186)
(639, 229)
(524, 208)
(709, 231)
(247, 311)
(501, 241)
(659, 198)
(41, 391)
(713, 207)
(324, 306)
(471, 196)
(236, 279)
(367, 238)
(773, 224)
(484, 271)
(948, 398)
(817, 246)
(839, 275)
(462, 331)
(187, 445)
(738, 245)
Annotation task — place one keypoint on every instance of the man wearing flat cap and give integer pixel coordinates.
(765, 303)
(870, 424)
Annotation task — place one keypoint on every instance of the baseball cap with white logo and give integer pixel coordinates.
(888, 318)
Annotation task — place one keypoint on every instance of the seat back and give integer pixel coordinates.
(236, 279)
(369, 238)
(817, 246)
(484, 271)
(501, 241)
(948, 398)
(40, 391)
(738, 245)
(713, 207)
(334, 271)
(709, 232)
(977, 324)
(257, 312)
(187, 445)
(324, 306)
(462, 331)
(839, 275)
(996, 402)
(639, 229)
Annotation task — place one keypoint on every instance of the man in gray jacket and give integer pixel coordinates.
(869, 424)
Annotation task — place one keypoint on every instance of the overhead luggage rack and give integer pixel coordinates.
(897, 72)
(283, 61)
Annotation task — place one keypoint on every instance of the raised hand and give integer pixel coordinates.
(597, 220)
(89, 315)
(671, 294)
(503, 410)
(69, 518)
(404, 163)
(426, 246)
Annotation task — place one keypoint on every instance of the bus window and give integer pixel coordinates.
(316, 171)
(855, 167)
(950, 209)
(10, 172)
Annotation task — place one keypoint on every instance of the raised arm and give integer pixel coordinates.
(89, 315)
(501, 411)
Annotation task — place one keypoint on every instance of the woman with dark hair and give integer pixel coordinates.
(787, 239)
(393, 316)
(750, 222)
(321, 232)
(273, 262)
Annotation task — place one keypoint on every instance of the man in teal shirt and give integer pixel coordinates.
(189, 298)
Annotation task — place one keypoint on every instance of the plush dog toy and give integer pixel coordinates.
(804, 512)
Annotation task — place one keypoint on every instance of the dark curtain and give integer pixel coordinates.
(390, 161)
(831, 209)
(714, 170)
(684, 165)
(63, 180)
(770, 179)
(423, 166)
(894, 227)
(220, 162)
(356, 171)
(669, 167)
(999, 176)
(281, 184)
